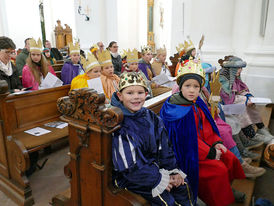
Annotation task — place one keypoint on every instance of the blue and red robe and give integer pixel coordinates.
(193, 132)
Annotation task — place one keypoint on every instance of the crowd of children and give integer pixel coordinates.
(187, 154)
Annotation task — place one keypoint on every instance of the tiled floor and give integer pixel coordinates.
(47, 182)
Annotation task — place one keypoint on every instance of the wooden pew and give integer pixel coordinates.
(247, 185)
(57, 67)
(17, 114)
(174, 60)
(90, 127)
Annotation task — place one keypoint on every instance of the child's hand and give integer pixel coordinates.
(249, 103)
(170, 184)
(178, 180)
(221, 147)
(218, 154)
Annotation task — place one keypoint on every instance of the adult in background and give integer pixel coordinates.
(22, 57)
(54, 52)
(101, 46)
(116, 58)
(8, 71)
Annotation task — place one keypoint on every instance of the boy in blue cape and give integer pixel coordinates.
(142, 155)
(196, 140)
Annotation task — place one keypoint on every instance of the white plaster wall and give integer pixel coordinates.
(127, 16)
(162, 34)
(21, 20)
(62, 10)
(3, 19)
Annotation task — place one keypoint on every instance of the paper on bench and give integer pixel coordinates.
(37, 131)
(260, 100)
(230, 109)
(162, 78)
(96, 84)
(50, 81)
(57, 124)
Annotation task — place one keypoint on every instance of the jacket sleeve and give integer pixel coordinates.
(129, 161)
(15, 76)
(27, 78)
(20, 63)
(203, 149)
(66, 74)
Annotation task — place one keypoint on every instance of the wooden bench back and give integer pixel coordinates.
(24, 111)
(90, 138)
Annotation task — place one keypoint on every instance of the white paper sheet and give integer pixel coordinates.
(162, 78)
(260, 100)
(37, 131)
(96, 84)
(230, 109)
(50, 81)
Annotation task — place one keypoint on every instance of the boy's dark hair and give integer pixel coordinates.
(6, 43)
(26, 40)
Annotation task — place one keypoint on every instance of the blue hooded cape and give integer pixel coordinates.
(180, 124)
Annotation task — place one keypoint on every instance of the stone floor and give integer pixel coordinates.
(47, 182)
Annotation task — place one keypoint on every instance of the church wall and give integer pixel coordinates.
(62, 10)
(22, 20)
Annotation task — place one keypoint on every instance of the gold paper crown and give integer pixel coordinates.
(104, 58)
(35, 46)
(191, 67)
(94, 48)
(180, 47)
(124, 54)
(131, 79)
(188, 45)
(74, 48)
(146, 49)
(89, 63)
(132, 56)
(161, 50)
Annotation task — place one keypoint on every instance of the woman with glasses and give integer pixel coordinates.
(8, 71)
(116, 58)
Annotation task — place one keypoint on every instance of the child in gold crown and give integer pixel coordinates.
(196, 140)
(92, 70)
(36, 67)
(109, 79)
(142, 155)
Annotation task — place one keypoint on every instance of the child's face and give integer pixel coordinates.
(47, 54)
(133, 66)
(94, 73)
(193, 53)
(35, 56)
(108, 70)
(147, 57)
(190, 89)
(133, 97)
(162, 58)
(239, 72)
(75, 58)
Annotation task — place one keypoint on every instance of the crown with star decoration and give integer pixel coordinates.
(146, 49)
(191, 67)
(131, 79)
